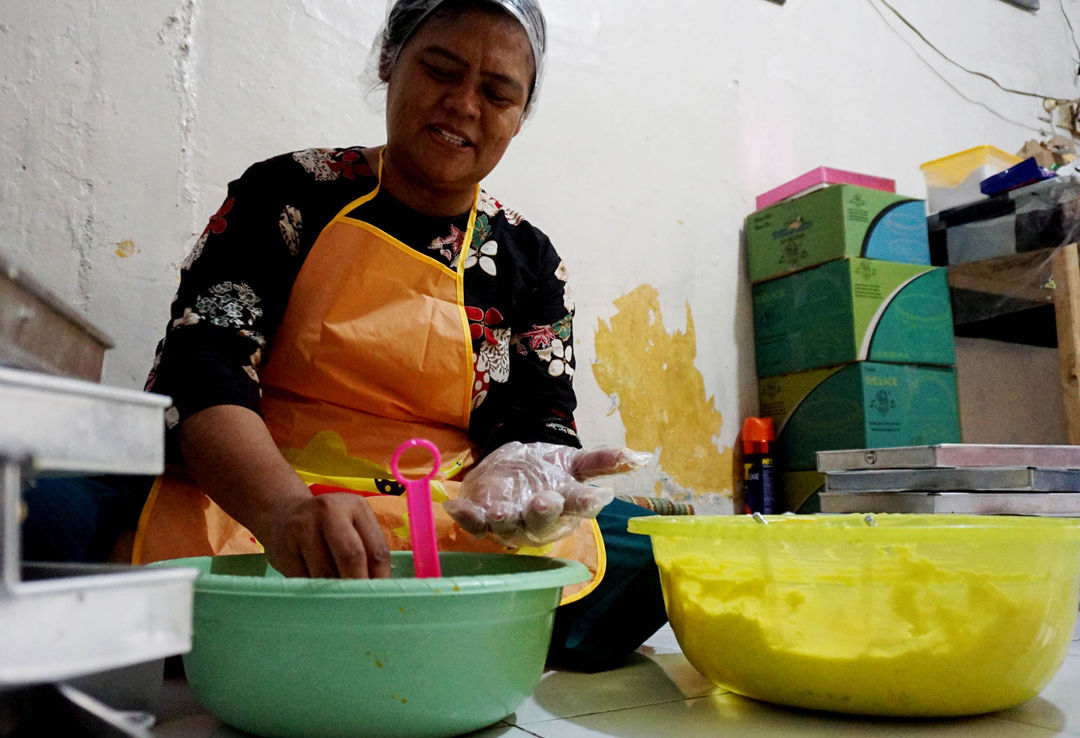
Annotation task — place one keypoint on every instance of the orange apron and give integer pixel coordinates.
(374, 349)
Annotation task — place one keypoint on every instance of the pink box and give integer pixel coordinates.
(823, 176)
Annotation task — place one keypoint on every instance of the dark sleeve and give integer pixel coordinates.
(537, 402)
(233, 289)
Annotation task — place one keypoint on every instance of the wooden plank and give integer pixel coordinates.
(1067, 314)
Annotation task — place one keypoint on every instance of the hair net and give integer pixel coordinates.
(403, 17)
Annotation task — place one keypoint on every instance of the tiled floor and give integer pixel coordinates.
(658, 693)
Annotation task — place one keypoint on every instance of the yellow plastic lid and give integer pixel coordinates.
(952, 170)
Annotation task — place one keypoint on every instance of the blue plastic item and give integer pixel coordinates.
(1026, 172)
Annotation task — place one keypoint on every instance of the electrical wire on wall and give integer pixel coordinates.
(1072, 35)
(1067, 109)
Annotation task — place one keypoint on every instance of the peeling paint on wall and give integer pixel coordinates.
(661, 394)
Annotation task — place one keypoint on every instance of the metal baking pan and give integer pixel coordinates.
(950, 455)
(1004, 479)
(62, 621)
(39, 332)
(73, 426)
(1066, 504)
(68, 620)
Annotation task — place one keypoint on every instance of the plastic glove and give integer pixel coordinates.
(530, 494)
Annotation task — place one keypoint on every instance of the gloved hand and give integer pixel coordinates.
(530, 494)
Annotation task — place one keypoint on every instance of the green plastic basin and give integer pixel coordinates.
(280, 656)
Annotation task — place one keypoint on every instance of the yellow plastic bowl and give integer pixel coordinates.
(915, 615)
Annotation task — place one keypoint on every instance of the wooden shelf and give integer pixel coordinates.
(1005, 299)
(1067, 313)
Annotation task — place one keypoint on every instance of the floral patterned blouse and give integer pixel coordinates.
(235, 285)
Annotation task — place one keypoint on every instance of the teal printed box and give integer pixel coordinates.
(860, 405)
(853, 310)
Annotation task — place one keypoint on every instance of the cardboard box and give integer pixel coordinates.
(799, 491)
(853, 310)
(860, 405)
(1055, 152)
(822, 177)
(830, 223)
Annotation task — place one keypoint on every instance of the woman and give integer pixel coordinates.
(342, 301)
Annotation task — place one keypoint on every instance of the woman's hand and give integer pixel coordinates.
(529, 494)
(331, 535)
(230, 452)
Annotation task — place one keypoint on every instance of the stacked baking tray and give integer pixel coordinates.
(953, 478)
(61, 622)
(39, 331)
(64, 621)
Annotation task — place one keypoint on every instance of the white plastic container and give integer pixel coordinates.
(953, 180)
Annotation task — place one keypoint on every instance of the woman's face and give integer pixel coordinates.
(455, 98)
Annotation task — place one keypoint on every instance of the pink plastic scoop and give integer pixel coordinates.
(425, 552)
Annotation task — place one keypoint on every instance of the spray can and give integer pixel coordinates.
(757, 437)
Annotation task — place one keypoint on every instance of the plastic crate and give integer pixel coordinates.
(954, 180)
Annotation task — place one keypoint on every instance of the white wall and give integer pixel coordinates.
(121, 122)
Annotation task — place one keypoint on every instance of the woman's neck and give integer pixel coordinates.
(423, 200)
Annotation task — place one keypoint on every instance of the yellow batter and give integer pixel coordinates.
(927, 642)
(892, 614)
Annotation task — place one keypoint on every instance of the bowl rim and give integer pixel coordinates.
(877, 528)
(550, 572)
